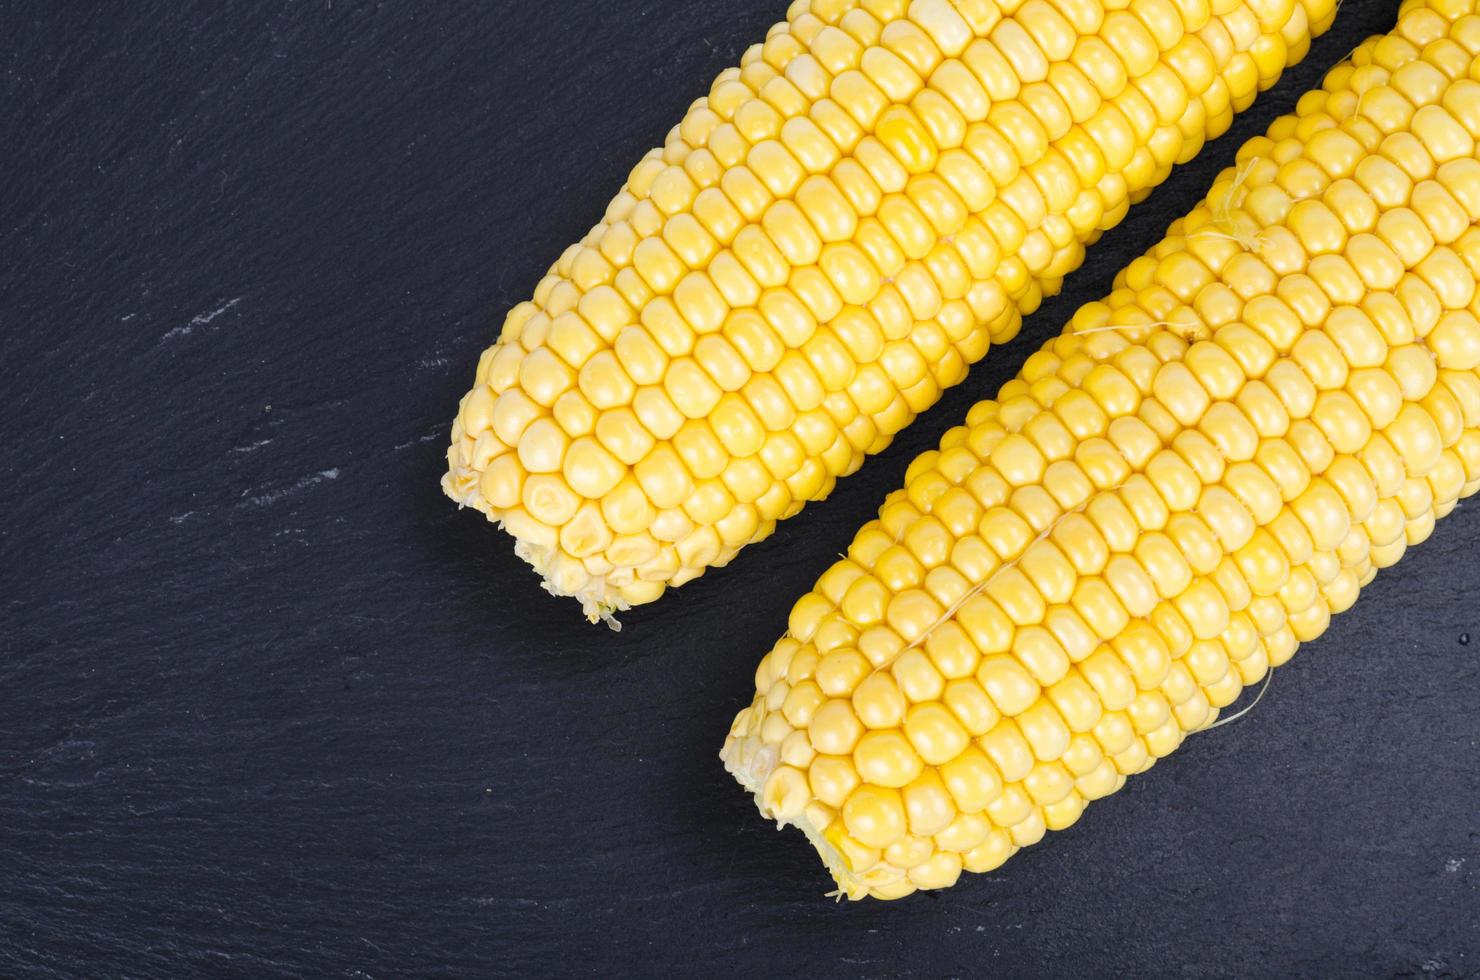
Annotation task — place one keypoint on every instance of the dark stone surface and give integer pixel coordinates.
(269, 705)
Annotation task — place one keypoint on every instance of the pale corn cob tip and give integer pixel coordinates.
(827, 241)
(1274, 403)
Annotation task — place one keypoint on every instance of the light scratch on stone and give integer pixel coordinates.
(251, 447)
(273, 496)
(417, 441)
(199, 320)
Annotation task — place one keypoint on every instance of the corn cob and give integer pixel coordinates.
(1188, 482)
(829, 239)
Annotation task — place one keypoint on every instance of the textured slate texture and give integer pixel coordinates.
(269, 705)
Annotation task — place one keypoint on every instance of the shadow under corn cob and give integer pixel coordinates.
(1272, 404)
(827, 241)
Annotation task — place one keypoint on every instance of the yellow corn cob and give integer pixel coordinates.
(826, 241)
(1271, 405)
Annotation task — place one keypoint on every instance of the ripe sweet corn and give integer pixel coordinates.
(828, 240)
(1187, 483)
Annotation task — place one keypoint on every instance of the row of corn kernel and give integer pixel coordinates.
(1139, 526)
(830, 238)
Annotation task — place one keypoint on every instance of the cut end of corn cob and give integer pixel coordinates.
(1273, 404)
(599, 601)
(829, 239)
(783, 799)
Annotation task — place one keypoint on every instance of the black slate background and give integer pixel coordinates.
(270, 706)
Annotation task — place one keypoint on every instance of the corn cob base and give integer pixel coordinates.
(826, 242)
(1273, 404)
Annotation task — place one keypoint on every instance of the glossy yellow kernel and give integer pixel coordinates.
(1076, 702)
(1048, 783)
(990, 854)
(1097, 604)
(1041, 654)
(1008, 683)
(1029, 830)
(1044, 729)
(590, 470)
(834, 729)
(548, 499)
(929, 807)
(910, 851)
(832, 779)
(875, 816)
(964, 833)
(502, 482)
(886, 758)
(971, 705)
(903, 134)
(948, 646)
(1144, 653)
(1008, 750)
(972, 780)
(841, 671)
